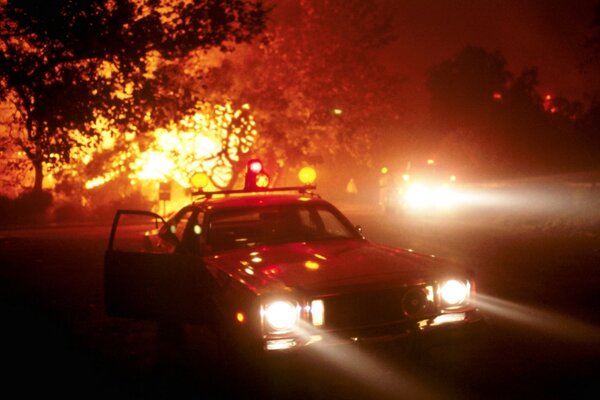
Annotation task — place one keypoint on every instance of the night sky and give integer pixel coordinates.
(547, 34)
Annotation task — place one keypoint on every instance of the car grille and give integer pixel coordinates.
(360, 309)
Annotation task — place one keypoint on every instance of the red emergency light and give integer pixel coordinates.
(256, 179)
(255, 166)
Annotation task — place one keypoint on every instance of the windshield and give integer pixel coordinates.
(265, 225)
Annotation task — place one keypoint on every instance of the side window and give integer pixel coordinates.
(332, 225)
(177, 225)
(135, 231)
(307, 218)
(171, 234)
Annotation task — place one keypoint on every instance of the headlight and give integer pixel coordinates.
(281, 316)
(454, 293)
(317, 310)
(445, 197)
(424, 196)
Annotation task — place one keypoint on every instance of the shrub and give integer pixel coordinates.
(29, 207)
(70, 212)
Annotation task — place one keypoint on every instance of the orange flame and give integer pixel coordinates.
(209, 141)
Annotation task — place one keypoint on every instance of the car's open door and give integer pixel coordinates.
(146, 282)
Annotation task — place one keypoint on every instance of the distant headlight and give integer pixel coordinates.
(445, 197)
(281, 316)
(418, 196)
(427, 196)
(454, 293)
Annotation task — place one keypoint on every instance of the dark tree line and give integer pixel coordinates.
(501, 123)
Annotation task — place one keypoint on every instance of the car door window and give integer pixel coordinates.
(178, 224)
(172, 233)
(146, 277)
(308, 219)
(135, 232)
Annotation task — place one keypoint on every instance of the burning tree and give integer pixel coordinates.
(212, 140)
(65, 64)
(317, 90)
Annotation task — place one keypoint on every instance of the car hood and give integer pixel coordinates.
(326, 265)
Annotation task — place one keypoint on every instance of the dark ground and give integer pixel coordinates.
(542, 341)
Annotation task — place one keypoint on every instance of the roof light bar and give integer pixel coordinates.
(299, 189)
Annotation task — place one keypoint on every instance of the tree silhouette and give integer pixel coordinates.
(593, 39)
(501, 119)
(463, 87)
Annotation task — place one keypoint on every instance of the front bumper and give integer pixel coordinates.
(431, 329)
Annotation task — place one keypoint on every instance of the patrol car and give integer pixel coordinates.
(279, 269)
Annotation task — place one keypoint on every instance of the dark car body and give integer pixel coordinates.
(283, 271)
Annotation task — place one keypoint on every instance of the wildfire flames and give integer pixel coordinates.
(209, 141)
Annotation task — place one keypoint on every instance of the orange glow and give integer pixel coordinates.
(154, 166)
(312, 265)
(430, 162)
(200, 180)
(262, 180)
(548, 102)
(307, 175)
(209, 141)
(272, 271)
(100, 180)
(240, 317)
